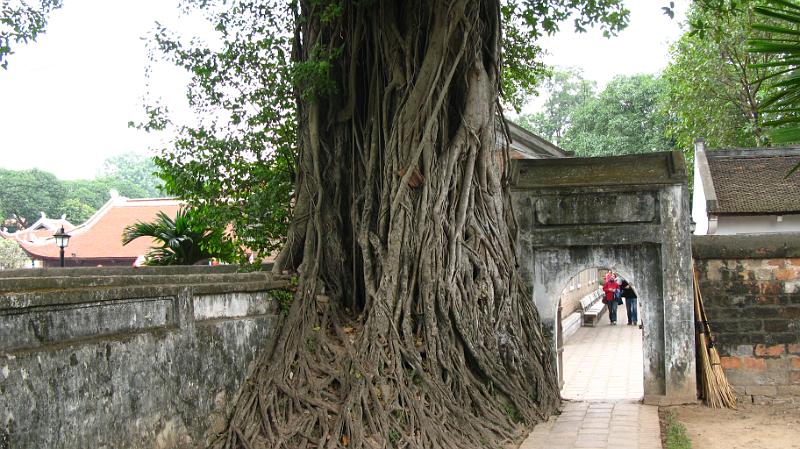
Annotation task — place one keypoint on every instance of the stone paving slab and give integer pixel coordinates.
(602, 393)
(605, 362)
(600, 425)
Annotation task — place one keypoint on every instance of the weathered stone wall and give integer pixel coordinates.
(127, 358)
(751, 291)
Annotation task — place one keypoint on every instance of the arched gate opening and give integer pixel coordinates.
(598, 361)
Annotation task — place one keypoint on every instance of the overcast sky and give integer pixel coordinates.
(66, 99)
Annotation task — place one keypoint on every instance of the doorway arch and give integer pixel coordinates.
(601, 362)
(579, 213)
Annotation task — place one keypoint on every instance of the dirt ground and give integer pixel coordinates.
(750, 427)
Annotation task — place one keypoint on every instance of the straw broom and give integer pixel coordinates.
(717, 392)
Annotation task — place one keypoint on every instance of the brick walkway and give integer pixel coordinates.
(602, 390)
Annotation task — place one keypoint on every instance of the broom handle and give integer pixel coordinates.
(703, 316)
(697, 313)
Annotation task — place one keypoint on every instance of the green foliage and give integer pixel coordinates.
(676, 434)
(95, 192)
(284, 298)
(138, 170)
(714, 85)
(513, 413)
(527, 21)
(25, 194)
(21, 22)
(780, 21)
(624, 118)
(236, 165)
(394, 436)
(566, 92)
(12, 256)
(77, 211)
(183, 240)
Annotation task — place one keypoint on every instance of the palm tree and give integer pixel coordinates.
(182, 241)
(782, 41)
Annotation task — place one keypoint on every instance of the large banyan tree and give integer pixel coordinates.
(410, 325)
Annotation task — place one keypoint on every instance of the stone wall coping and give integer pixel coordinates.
(746, 246)
(662, 168)
(115, 271)
(139, 288)
(134, 279)
(24, 300)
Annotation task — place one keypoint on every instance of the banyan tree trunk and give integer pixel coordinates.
(410, 326)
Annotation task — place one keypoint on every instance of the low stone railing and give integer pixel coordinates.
(127, 358)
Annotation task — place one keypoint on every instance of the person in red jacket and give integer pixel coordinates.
(611, 287)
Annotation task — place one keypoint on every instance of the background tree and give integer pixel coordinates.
(625, 118)
(714, 86)
(410, 325)
(12, 256)
(27, 193)
(566, 91)
(139, 170)
(235, 164)
(76, 211)
(96, 192)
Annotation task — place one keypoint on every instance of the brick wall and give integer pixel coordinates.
(751, 290)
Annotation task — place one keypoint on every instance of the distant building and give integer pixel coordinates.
(41, 229)
(745, 191)
(98, 241)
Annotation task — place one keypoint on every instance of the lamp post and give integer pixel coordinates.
(62, 240)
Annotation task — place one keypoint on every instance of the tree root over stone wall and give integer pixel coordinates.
(410, 327)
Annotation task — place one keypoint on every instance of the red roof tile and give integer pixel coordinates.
(101, 235)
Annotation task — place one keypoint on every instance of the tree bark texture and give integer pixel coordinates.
(410, 326)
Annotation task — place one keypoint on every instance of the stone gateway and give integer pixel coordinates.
(630, 214)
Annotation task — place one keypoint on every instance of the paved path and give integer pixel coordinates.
(604, 362)
(602, 392)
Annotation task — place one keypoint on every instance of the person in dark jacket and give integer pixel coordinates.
(631, 300)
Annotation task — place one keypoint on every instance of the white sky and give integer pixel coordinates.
(66, 99)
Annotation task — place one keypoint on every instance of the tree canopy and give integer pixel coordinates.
(25, 194)
(714, 85)
(566, 92)
(22, 22)
(137, 169)
(626, 117)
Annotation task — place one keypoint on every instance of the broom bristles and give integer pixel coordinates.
(724, 389)
(717, 391)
